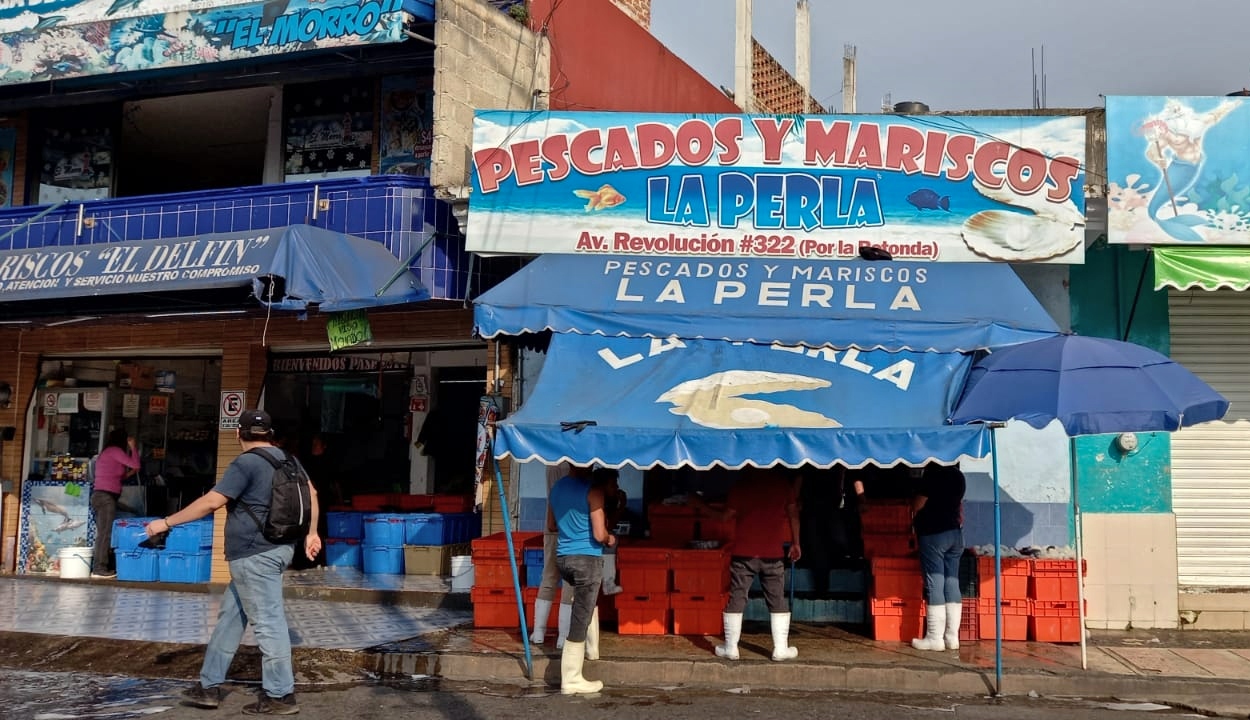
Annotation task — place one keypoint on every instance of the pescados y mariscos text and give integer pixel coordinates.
(779, 200)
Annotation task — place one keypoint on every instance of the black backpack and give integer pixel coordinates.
(290, 501)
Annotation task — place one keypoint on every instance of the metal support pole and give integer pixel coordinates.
(516, 575)
(998, 570)
(1076, 526)
(407, 263)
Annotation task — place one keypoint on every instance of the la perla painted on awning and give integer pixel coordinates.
(943, 307)
(674, 403)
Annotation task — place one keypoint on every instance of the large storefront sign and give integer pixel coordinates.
(72, 38)
(1176, 170)
(822, 187)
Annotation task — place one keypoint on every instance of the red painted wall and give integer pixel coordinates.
(603, 60)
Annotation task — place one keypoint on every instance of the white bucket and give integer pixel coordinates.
(75, 562)
(461, 573)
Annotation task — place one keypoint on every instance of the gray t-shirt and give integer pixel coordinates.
(248, 481)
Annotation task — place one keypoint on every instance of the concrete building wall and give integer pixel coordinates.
(483, 59)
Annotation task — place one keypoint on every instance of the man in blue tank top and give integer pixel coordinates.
(575, 512)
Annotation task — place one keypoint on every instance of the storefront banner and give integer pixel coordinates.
(321, 267)
(938, 188)
(59, 40)
(946, 307)
(1176, 170)
(701, 403)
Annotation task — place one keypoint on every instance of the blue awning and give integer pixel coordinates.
(702, 403)
(942, 307)
(289, 268)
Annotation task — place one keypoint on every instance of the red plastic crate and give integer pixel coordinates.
(495, 607)
(495, 547)
(887, 584)
(888, 544)
(897, 619)
(1015, 577)
(884, 517)
(553, 620)
(969, 622)
(415, 503)
(642, 614)
(885, 563)
(698, 614)
(452, 503)
(375, 502)
(1053, 581)
(699, 571)
(643, 568)
(1056, 622)
(495, 573)
(1015, 618)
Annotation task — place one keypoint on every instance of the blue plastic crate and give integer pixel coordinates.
(128, 533)
(534, 558)
(533, 575)
(384, 528)
(428, 529)
(382, 559)
(191, 537)
(137, 565)
(174, 566)
(343, 552)
(348, 525)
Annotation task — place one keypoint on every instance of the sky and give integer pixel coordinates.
(975, 54)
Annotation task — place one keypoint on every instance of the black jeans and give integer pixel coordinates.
(104, 505)
(583, 573)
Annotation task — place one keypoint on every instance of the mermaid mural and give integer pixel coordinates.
(1176, 170)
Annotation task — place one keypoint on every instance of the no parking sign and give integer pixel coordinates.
(232, 404)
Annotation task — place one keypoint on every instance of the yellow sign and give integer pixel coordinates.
(349, 328)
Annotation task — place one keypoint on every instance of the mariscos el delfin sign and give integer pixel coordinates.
(976, 188)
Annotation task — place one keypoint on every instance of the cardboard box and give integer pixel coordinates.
(135, 376)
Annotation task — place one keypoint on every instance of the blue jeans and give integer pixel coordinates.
(939, 559)
(254, 595)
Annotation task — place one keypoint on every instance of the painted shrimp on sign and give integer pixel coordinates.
(931, 187)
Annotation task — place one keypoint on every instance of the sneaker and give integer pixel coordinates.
(202, 697)
(272, 706)
(104, 574)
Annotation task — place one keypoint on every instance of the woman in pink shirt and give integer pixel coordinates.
(118, 460)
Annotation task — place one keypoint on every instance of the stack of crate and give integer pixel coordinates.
(186, 558)
(643, 570)
(431, 539)
(344, 531)
(493, 595)
(382, 551)
(1054, 614)
(1014, 602)
(897, 599)
(887, 529)
(700, 579)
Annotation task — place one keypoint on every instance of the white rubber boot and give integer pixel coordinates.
(935, 625)
(954, 615)
(609, 575)
(781, 637)
(542, 613)
(592, 636)
(571, 680)
(733, 633)
(566, 619)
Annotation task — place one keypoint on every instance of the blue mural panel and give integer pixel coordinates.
(75, 38)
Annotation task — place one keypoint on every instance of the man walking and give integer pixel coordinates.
(256, 565)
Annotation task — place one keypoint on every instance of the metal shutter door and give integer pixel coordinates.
(1211, 462)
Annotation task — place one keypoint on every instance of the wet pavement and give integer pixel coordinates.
(413, 629)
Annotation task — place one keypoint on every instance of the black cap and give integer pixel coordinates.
(255, 422)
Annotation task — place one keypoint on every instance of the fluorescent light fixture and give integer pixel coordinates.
(71, 321)
(196, 313)
(14, 322)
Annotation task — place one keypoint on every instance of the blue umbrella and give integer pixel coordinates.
(1091, 386)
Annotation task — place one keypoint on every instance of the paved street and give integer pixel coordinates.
(84, 696)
